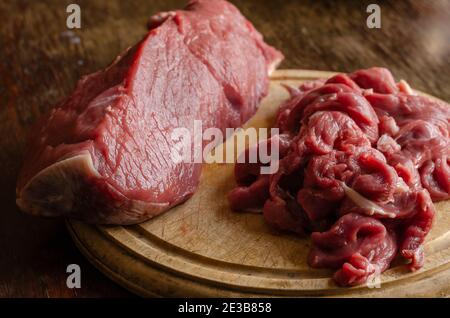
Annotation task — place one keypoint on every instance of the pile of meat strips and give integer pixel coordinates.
(362, 159)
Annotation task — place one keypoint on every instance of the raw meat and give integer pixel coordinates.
(103, 154)
(365, 158)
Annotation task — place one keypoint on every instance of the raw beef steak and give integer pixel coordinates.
(103, 154)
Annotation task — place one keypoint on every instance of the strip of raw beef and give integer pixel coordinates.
(103, 155)
(366, 157)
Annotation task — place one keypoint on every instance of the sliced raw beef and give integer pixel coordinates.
(103, 154)
(366, 157)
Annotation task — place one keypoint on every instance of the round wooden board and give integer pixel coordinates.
(203, 249)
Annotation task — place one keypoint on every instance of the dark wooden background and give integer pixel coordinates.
(40, 62)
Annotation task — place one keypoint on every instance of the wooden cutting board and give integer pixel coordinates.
(201, 248)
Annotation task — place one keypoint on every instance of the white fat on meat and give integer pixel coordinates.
(369, 207)
(404, 87)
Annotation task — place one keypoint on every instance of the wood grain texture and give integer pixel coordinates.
(40, 62)
(203, 248)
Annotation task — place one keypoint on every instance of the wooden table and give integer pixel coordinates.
(40, 62)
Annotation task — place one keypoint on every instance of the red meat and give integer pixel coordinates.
(366, 158)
